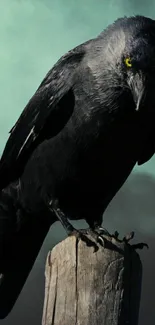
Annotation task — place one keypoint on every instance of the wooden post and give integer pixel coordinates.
(84, 287)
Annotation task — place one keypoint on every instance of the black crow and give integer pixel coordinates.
(76, 142)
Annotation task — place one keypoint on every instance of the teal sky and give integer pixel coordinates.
(33, 36)
(35, 33)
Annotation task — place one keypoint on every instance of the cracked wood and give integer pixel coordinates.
(84, 287)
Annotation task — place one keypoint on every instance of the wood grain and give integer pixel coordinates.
(84, 287)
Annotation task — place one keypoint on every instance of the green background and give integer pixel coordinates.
(33, 36)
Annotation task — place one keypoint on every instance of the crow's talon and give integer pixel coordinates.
(140, 246)
(115, 235)
(101, 240)
(97, 237)
(128, 237)
(101, 231)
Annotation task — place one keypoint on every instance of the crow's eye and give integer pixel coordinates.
(128, 62)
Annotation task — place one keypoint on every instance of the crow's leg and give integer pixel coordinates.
(96, 230)
(64, 221)
(81, 233)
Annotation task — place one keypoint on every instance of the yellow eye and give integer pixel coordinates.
(128, 62)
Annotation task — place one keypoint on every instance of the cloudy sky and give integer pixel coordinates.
(33, 36)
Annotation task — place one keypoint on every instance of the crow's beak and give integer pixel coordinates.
(137, 85)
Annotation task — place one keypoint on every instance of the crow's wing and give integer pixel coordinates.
(20, 259)
(45, 115)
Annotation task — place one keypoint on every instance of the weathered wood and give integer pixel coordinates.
(84, 287)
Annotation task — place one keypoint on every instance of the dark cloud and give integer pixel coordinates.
(133, 208)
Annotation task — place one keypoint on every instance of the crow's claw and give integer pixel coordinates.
(140, 246)
(101, 231)
(101, 241)
(128, 237)
(115, 235)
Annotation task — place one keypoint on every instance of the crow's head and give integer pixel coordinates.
(130, 54)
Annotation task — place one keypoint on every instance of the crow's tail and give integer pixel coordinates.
(20, 243)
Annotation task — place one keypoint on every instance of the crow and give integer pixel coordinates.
(75, 143)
